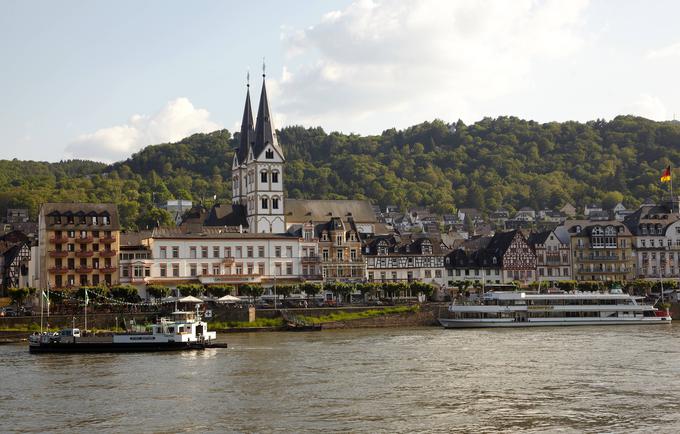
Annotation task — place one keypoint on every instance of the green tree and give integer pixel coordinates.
(191, 289)
(18, 295)
(158, 291)
(220, 290)
(125, 293)
(310, 289)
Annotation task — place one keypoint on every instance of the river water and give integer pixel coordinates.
(580, 379)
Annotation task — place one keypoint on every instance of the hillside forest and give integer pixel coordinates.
(495, 163)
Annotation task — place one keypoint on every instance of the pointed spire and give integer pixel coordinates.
(247, 130)
(265, 133)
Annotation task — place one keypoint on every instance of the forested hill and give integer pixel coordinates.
(503, 162)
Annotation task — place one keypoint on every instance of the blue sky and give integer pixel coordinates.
(100, 79)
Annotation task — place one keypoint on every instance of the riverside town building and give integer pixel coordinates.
(264, 238)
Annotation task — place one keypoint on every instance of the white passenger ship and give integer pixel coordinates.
(520, 309)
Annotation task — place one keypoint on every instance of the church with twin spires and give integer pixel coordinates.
(257, 170)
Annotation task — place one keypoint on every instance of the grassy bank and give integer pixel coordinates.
(349, 316)
(258, 323)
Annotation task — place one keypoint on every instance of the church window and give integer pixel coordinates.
(275, 203)
(275, 177)
(264, 203)
(269, 154)
(263, 176)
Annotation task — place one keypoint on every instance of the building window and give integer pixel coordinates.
(260, 268)
(353, 254)
(249, 251)
(275, 203)
(227, 252)
(163, 270)
(192, 270)
(175, 270)
(175, 252)
(204, 269)
(338, 240)
(163, 252)
(275, 177)
(216, 252)
(339, 255)
(239, 252)
(192, 252)
(438, 274)
(428, 274)
(204, 251)
(277, 251)
(260, 251)
(264, 203)
(289, 268)
(263, 176)
(269, 154)
(216, 269)
(289, 251)
(277, 269)
(325, 254)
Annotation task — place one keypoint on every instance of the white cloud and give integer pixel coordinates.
(647, 106)
(384, 62)
(672, 50)
(176, 120)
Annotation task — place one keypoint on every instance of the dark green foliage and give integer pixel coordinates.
(502, 162)
(158, 291)
(220, 290)
(310, 289)
(19, 295)
(125, 293)
(191, 289)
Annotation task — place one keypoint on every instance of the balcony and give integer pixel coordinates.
(58, 270)
(59, 240)
(311, 259)
(601, 258)
(83, 240)
(58, 253)
(84, 253)
(108, 269)
(107, 240)
(107, 253)
(84, 270)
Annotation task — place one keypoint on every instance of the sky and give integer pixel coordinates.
(101, 80)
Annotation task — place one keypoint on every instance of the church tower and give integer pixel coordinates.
(264, 174)
(238, 166)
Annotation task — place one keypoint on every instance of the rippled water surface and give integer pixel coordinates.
(594, 379)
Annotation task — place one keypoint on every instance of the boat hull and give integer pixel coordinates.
(109, 347)
(476, 323)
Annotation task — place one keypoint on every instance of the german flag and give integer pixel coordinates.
(666, 175)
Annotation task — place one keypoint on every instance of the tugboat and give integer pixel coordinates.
(184, 331)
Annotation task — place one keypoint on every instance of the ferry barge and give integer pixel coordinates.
(520, 309)
(184, 331)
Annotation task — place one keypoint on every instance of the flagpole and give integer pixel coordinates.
(671, 187)
(87, 299)
(42, 295)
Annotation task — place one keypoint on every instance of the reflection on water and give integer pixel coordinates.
(615, 379)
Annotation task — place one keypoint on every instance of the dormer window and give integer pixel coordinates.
(269, 154)
(324, 236)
